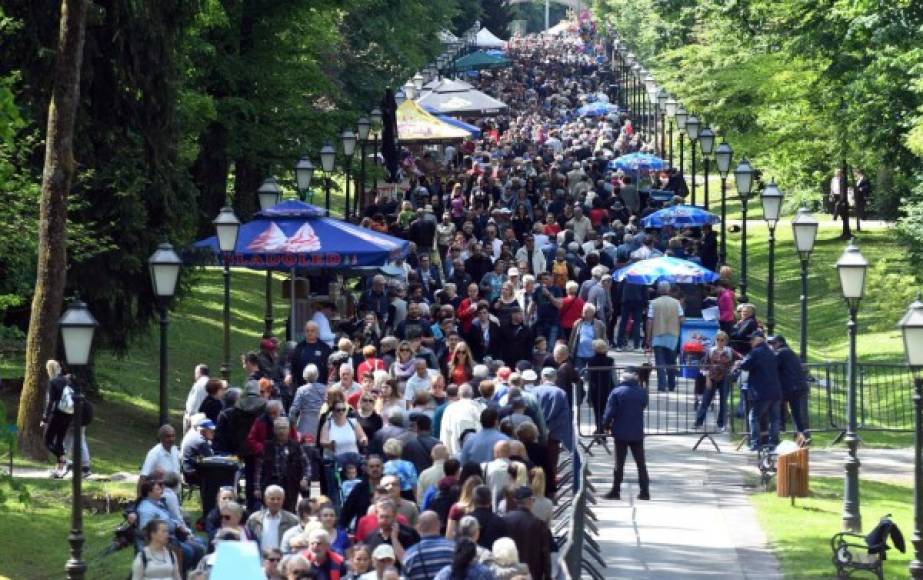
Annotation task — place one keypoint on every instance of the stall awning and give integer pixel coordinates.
(415, 125)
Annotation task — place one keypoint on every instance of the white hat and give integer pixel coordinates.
(383, 552)
(514, 271)
(529, 376)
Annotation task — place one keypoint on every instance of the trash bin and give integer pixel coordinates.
(693, 353)
(792, 474)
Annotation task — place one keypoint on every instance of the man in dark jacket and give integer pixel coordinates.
(492, 526)
(234, 426)
(763, 389)
(478, 264)
(625, 416)
(517, 340)
(310, 350)
(531, 535)
(794, 386)
(359, 499)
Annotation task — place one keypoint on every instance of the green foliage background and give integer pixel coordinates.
(796, 86)
(184, 104)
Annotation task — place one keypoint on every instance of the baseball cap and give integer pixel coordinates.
(207, 424)
(522, 492)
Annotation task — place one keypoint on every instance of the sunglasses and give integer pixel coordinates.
(225, 518)
(339, 409)
(404, 350)
(274, 559)
(368, 400)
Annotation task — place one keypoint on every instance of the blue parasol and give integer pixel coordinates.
(474, 130)
(666, 269)
(295, 234)
(636, 162)
(596, 109)
(680, 216)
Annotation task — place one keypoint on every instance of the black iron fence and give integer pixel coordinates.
(682, 402)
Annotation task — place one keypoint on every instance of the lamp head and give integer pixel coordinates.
(77, 328)
(269, 193)
(304, 172)
(804, 231)
(328, 157)
(164, 265)
(227, 227)
(771, 199)
(911, 326)
(723, 156)
(743, 178)
(852, 268)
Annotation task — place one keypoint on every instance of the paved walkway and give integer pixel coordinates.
(699, 523)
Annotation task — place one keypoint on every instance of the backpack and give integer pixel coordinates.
(66, 402)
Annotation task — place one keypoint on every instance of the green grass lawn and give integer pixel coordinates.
(34, 544)
(125, 422)
(800, 535)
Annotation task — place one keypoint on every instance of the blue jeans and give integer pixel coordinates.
(722, 389)
(636, 312)
(550, 330)
(757, 410)
(666, 377)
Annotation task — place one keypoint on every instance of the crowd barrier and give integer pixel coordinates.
(884, 399)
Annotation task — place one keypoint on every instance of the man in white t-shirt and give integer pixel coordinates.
(164, 456)
(196, 395)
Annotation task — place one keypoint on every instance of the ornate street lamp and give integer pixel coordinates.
(418, 82)
(77, 328)
(743, 179)
(771, 200)
(164, 265)
(707, 144)
(328, 156)
(692, 129)
(227, 227)
(269, 195)
(349, 148)
(409, 90)
(723, 156)
(662, 98)
(363, 126)
(911, 326)
(670, 108)
(681, 117)
(304, 173)
(804, 231)
(852, 268)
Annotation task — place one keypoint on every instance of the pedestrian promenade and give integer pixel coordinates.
(699, 522)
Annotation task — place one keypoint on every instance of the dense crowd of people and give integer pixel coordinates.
(433, 420)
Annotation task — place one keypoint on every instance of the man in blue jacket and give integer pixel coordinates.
(794, 385)
(763, 389)
(625, 415)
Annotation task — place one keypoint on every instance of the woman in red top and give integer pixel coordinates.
(727, 305)
(551, 226)
(460, 367)
(570, 307)
(468, 308)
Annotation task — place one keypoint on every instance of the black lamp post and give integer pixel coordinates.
(635, 101)
(911, 326)
(164, 265)
(804, 231)
(363, 126)
(376, 118)
(328, 157)
(707, 143)
(681, 117)
(662, 98)
(304, 173)
(649, 97)
(852, 267)
(670, 108)
(692, 129)
(771, 200)
(723, 156)
(227, 226)
(349, 147)
(269, 195)
(743, 179)
(77, 328)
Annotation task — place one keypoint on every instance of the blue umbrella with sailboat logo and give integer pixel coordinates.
(680, 216)
(664, 268)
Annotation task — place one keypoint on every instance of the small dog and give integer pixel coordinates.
(644, 374)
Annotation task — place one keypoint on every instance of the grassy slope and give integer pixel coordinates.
(801, 535)
(34, 545)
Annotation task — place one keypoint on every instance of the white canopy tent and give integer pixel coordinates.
(487, 39)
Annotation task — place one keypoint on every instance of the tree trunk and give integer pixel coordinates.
(57, 175)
